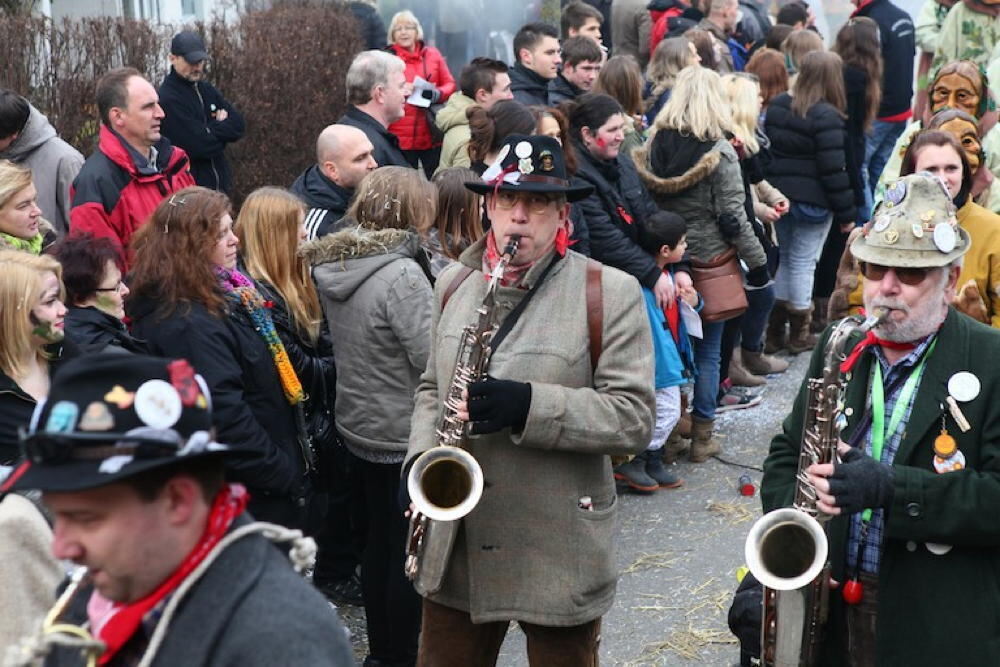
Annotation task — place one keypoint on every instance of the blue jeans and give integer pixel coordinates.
(761, 301)
(878, 147)
(800, 244)
(706, 360)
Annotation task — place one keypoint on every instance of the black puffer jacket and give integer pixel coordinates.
(248, 404)
(96, 331)
(614, 212)
(808, 156)
(528, 87)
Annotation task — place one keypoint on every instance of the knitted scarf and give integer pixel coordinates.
(115, 623)
(32, 245)
(243, 292)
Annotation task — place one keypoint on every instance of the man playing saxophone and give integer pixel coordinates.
(563, 389)
(914, 538)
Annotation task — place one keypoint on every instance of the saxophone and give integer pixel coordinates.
(446, 482)
(787, 548)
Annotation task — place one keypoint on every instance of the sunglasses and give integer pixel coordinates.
(906, 275)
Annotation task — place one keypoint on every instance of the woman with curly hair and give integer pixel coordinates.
(190, 301)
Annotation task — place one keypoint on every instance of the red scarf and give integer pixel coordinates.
(123, 620)
(866, 342)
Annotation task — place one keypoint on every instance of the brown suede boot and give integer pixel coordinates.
(759, 363)
(739, 375)
(703, 444)
(675, 446)
(776, 338)
(819, 317)
(800, 338)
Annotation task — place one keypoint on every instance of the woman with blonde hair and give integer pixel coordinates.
(809, 164)
(419, 141)
(31, 339)
(459, 218)
(670, 57)
(374, 284)
(691, 169)
(22, 226)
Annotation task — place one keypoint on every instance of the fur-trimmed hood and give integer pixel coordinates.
(344, 260)
(703, 167)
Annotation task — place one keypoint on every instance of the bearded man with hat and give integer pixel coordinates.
(569, 382)
(914, 538)
(173, 570)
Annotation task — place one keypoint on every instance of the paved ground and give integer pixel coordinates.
(678, 552)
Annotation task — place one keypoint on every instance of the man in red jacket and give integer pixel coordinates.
(133, 168)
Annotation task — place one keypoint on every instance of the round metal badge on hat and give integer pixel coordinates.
(522, 150)
(881, 223)
(944, 237)
(158, 404)
(896, 193)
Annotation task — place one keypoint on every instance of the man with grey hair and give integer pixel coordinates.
(912, 492)
(343, 158)
(720, 21)
(377, 90)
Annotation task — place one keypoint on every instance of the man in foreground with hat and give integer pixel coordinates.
(198, 118)
(176, 572)
(570, 381)
(914, 539)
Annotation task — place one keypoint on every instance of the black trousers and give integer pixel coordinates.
(337, 555)
(392, 607)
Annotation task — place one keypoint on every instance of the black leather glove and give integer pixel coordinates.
(496, 404)
(859, 482)
(433, 95)
(729, 226)
(758, 277)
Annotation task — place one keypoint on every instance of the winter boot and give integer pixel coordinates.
(759, 363)
(776, 338)
(800, 339)
(703, 444)
(664, 476)
(820, 318)
(634, 475)
(683, 427)
(675, 446)
(739, 375)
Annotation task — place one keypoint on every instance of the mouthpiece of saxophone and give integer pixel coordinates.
(876, 317)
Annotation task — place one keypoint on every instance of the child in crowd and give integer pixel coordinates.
(664, 237)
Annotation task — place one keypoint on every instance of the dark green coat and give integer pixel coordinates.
(933, 610)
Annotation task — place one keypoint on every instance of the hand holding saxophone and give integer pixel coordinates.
(855, 483)
(491, 405)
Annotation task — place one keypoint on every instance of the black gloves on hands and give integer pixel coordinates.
(432, 95)
(496, 404)
(758, 277)
(860, 482)
(729, 226)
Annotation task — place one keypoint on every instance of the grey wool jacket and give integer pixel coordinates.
(377, 301)
(529, 551)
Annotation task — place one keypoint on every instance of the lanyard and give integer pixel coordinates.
(879, 431)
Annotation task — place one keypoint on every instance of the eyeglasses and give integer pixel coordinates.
(120, 287)
(534, 202)
(906, 275)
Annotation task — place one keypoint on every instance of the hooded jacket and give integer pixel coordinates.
(451, 120)
(190, 108)
(116, 190)
(529, 87)
(700, 181)
(377, 300)
(562, 89)
(326, 200)
(386, 153)
(53, 163)
(427, 62)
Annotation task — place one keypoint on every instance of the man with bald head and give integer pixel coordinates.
(344, 155)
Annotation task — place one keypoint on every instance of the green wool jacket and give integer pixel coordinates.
(933, 610)
(528, 551)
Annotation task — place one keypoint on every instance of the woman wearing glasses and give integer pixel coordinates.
(95, 294)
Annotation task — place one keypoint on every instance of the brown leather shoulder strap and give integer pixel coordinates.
(460, 277)
(595, 311)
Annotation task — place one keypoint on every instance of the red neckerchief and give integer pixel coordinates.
(124, 619)
(866, 342)
(515, 272)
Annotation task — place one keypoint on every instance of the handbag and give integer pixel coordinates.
(431, 112)
(720, 283)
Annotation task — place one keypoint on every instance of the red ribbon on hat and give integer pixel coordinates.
(498, 181)
(123, 620)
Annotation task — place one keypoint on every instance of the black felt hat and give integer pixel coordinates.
(111, 416)
(189, 46)
(529, 164)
